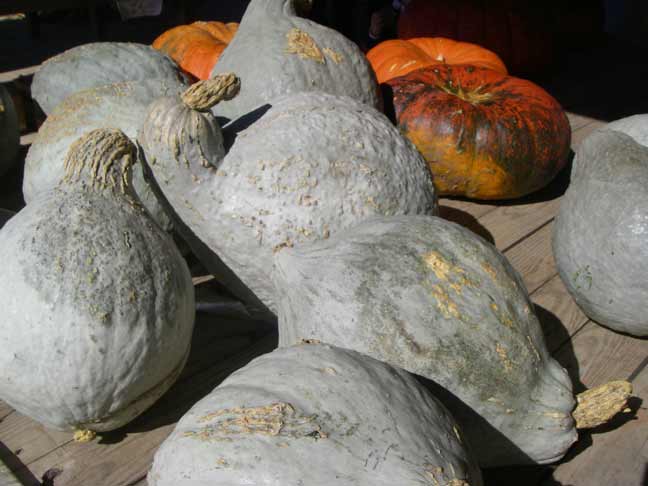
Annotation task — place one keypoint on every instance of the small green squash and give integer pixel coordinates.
(96, 303)
(316, 415)
(600, 238)
(431, 297)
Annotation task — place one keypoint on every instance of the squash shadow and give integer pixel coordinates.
(466, 220)
(220, 346)
(231, 128)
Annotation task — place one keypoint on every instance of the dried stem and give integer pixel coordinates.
(598, 405)
(203, 95)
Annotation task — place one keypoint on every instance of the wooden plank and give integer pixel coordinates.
(8, 76)
(577, 121)
(616, 453)
(510, 224)
(596, 355)
(559, 315)
(123, 458)
(581, 133)
(533, 258)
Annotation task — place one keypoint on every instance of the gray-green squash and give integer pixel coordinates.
(316, 415)
(96, 303)
(431, 297)
(122, 106)
(311, 165)
(600, 238)
(99, 64)
(9, 131)
(275, 52)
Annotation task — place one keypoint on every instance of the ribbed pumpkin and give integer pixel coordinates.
(196, 47)
(485, 135)
(394, 57)
(519, 32)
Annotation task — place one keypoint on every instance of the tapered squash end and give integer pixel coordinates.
(203, 95)
(101, 158)
(598, 405)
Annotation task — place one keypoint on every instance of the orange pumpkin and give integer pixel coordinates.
(393, 58)
(196, 47)
(484, 134)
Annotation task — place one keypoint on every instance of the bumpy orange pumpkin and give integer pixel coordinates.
(485, 135)
(393, 58)
(196, 47)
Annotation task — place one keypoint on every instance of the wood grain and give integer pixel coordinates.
(616, 453)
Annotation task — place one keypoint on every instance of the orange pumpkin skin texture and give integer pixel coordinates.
(393, 58)
(484, 135)
(196, 47)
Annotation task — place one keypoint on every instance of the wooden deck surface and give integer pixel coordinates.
(616, 454)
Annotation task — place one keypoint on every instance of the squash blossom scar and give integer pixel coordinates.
(278, 419)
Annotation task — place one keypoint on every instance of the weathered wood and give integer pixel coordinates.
(533, 258)
(559, 315)
(616, 453)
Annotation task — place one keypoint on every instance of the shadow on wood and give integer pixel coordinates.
(219, 347)
(467, 221)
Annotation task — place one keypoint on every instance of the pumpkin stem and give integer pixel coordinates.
(107, 154)
(598, 405)
(203, 95)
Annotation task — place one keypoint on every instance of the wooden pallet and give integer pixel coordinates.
(612, 455)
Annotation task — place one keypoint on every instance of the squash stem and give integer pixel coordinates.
(204, 95)
(598, 405)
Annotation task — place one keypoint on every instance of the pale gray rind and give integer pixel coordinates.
(352, 421)
(98, 64)
(259, 54)
(600, 238)
(96, 310)
(311, 165)
(431, 297)
(120, 105)
(9, 131)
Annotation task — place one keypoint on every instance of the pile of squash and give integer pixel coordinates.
(410, 352)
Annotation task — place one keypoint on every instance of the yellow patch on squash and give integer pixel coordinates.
(302, 44)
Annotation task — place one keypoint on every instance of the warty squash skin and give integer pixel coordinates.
(485, 135)
(316, 415)
(600, 238)
(99, 64)
(311, 165)
(9, 131)
(275, 52)
(120, 105)
(430, 296)
(96, 303)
